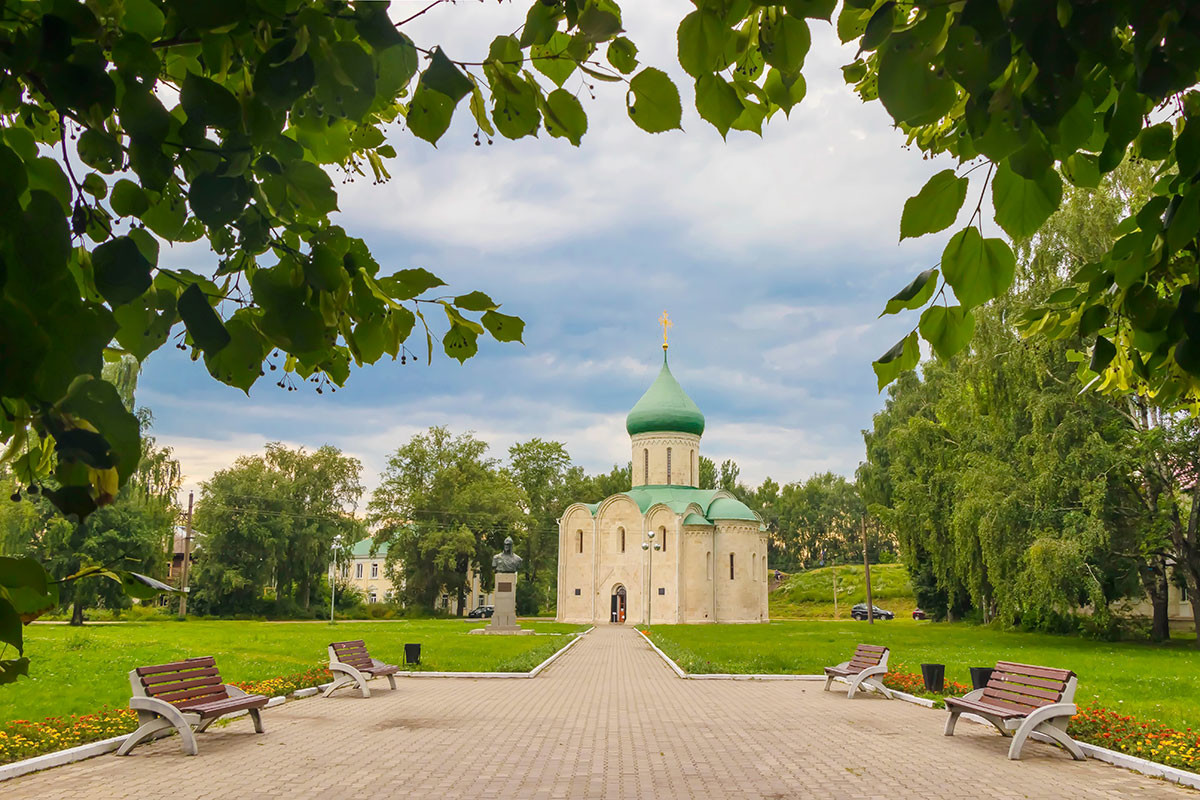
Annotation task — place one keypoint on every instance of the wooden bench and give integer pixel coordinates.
(864, 668)
(1019, 700)
(185, 694)
(350, 663)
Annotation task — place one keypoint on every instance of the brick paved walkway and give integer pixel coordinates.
(608, 720)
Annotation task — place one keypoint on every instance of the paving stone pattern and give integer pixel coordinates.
(607, 720)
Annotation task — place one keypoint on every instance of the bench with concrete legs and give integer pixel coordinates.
(1021, 699)
(352, 665)
(181, 695)
(864, 669)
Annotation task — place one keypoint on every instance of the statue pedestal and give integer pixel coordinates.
(504, 618)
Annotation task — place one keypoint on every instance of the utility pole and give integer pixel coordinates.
(187, 558)
(867, 569)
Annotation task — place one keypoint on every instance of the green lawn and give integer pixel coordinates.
(1150, 681)
(809, 595)
(80, 670)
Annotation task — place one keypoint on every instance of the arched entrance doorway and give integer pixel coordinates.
(618, 604)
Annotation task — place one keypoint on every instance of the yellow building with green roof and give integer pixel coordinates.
(665, 550)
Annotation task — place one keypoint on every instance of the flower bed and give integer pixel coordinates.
(1150, 740)
(21, 739)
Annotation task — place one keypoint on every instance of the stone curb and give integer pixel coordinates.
(1134, 763)
(92, 749)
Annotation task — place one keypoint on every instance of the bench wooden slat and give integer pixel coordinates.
(168, 677)
(211, 692)
(1032, 691)
(177, 666)
(1035, 671)
(1007, 705)
(872, 648)
(1021, 699)
(167, 688)
(357, 643)
(976, 705)
(349, 654)
(1025, 680)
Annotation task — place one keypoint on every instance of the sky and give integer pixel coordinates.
(772, 255)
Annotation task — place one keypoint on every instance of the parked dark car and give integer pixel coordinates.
(919, 614)
(860, 612)
(481, 612)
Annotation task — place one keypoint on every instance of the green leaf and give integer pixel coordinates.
(128, 199)
(540, 23)
(903, 357)
(1103, 352)
(879, 26)
(10, 626)
(121, 271)
(218, 200)
(144, 18)
(460, 342)
(852, 23)
(1082, 170)
(718, 102)
(935, 207)
(655, 107)
(143, 587)
(203, 324)
(409, 283)
(310, 188)
(552, 60)
(98, 402)
(279, 79)
(209, 103)
(622, 54)
(516, 107)
(23, 572)
(46, 174)
(600, 20)
(784, 92)
(1184, 221)
(784, 43)
(93, 184)
(429, 114)
(503, 327)
(977, 269)
(911, 90)
(442, 76)
(565, 116)
(166, 217)
(948, 330)
(703, 39)
(1022, 205)
(475, 301)
(813, 9)
(915, 295)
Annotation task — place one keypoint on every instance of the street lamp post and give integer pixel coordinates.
(650, 571)
(337, 543)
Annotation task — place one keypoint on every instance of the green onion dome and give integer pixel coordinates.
(665, 407)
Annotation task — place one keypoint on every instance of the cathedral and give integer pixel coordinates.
(664, 551)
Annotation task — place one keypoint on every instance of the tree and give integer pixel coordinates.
(269, 522)
(443, 507)
(540, 469)
(708, 473)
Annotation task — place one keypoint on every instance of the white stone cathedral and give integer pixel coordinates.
(705, 555)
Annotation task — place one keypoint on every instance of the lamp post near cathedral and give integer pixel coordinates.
(646, 545)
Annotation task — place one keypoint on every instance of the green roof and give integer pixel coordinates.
(665, 407)
(678, 498)
(695, 519)
(728, 508)
(362, 549)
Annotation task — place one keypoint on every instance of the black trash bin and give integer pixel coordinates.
(980, 676)
(935, 676)
(412, 654)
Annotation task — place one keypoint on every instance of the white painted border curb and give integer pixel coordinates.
(92, 749)
(1134, 763)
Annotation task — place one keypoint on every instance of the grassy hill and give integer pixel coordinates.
(809, 595)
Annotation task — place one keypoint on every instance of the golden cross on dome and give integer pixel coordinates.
(666, 323)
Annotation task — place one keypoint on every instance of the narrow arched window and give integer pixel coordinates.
(622, 539)
(692, 467)
(708, 564)
(645, 466)
(753, 565)
(662, 532)
(731, 566)
(668, 466)
(579, 534)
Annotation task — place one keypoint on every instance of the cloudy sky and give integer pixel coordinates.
(773, 257)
